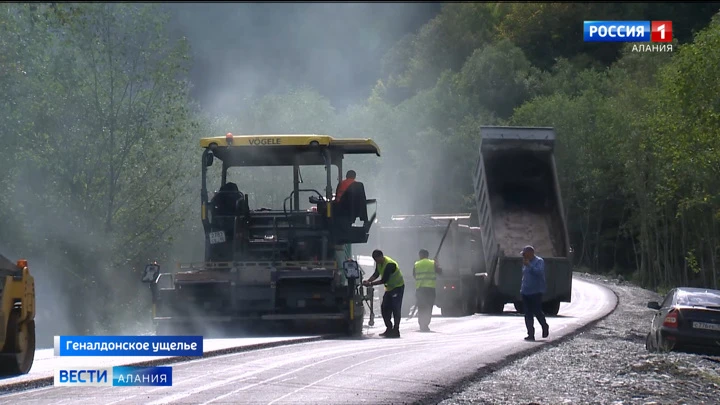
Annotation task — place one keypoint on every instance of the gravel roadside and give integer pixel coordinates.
(607, 364)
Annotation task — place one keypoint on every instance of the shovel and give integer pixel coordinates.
(413, 309)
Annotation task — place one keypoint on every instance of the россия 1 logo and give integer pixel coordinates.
(656, 34)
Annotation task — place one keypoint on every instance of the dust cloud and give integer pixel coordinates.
(240, 53)
(243, 51)
(299, 54)
(70, 263)
(288, 68)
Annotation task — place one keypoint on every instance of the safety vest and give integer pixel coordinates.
(342, 187)
(396, 280)
(425, 273)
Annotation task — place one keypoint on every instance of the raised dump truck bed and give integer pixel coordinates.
(519, 203)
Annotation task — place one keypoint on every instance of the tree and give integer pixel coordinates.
(298, 111)
(495, 78)
(108, 129)
(445, 42)
(684, 123)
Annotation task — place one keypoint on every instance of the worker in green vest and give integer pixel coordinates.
(388, 272)
(425, 273)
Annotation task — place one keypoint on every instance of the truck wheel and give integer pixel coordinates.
(519, 307)
(498, 307)
(493, 306)
(19, 351)
(449, 312)
(551, 308)
(468, 307)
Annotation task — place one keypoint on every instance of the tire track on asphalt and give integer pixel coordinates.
(381, 344)
(302, 382)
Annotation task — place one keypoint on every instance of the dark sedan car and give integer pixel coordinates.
(688, 318)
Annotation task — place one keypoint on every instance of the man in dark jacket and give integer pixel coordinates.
(532, 290)
(343, 186)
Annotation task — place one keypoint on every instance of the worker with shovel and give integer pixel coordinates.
(425, 272)
(389, 273)
(425, 292)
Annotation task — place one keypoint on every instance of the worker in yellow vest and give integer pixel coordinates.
(425, 273)
(389, 273)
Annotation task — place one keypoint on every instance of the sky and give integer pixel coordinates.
(245, 50)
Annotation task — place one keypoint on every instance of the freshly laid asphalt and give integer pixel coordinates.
(339, 371)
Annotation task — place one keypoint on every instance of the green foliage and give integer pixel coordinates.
(445, 42)
(105, 124)
(495, 78)
(637, 144)
(637, 132)
(299, 111)
(545, 32)
(647, 135)
(101, 171)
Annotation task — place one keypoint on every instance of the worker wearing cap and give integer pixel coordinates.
(425, 273)
(532, 290)
(389, 273)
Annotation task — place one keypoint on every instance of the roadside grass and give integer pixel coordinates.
(711, 377)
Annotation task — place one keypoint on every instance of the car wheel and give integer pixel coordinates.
(664, 345)
(648, 343)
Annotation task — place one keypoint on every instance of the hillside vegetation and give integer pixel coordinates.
(100, 164)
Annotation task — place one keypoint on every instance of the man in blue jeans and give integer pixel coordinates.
(532, 290)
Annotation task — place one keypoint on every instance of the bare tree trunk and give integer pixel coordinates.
(112, 181)
(712, 241)
(598, 230)
(669, 276)
(702, 266)
(656, 270)
(584, 231)
(645, 275)
(617, 234)
(684, 247)
(632, 257)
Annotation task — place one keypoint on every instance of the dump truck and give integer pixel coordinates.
(517, 203)
(17, 330)
(287, 263)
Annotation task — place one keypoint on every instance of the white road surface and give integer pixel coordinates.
(344, 371)
(45, 362)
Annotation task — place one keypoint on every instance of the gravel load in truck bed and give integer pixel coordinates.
(607, 364)
(515, 229)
